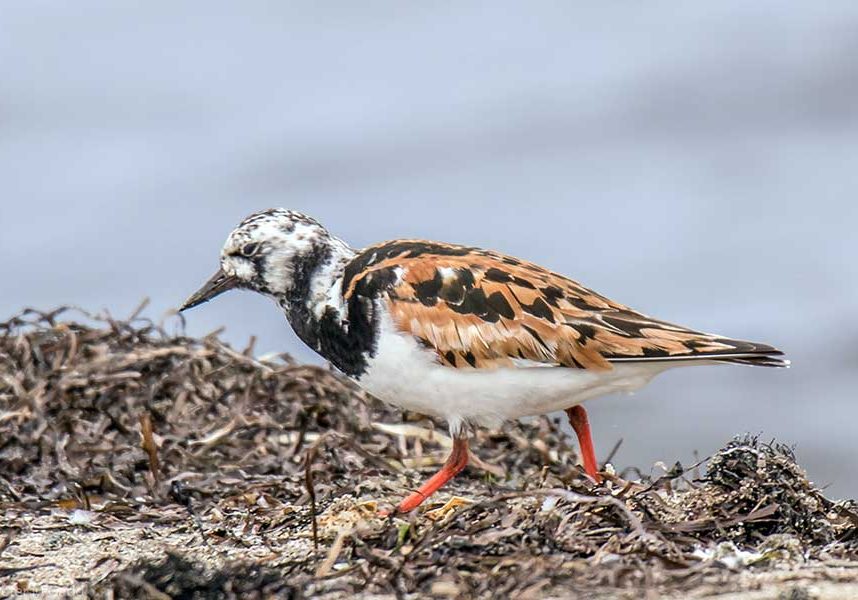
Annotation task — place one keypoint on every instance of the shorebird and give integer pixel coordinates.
(473, 336)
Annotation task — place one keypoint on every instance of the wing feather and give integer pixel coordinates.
(481, 309)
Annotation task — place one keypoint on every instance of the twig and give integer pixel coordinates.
(311, 490)
(5, 572)
(611, 454)
(334, 553)
(577, 498)
(140, 308)
(181, 496)
(149, 446)
(711, 523)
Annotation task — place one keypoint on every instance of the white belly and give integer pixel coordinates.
(407, 375)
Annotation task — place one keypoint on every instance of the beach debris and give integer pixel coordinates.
(276, 472)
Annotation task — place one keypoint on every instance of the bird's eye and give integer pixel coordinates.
(250, 249)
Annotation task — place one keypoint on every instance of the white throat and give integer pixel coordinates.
(327, 284)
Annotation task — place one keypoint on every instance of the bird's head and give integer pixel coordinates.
(271, 252)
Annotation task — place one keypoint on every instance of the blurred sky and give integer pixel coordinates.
(699, 163)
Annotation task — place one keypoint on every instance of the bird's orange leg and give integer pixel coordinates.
(578, 419)
(457, 461)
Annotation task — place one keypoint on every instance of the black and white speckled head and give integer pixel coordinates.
(276, 252)
(268, 249)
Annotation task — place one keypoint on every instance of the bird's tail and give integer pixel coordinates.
(758, 360)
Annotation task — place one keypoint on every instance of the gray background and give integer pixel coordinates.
(696, 162)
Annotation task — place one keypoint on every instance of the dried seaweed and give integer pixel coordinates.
(177, 577)
(747, 477)
(259, 457)
(87, 406)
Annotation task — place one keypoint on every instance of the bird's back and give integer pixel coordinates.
(479, 309)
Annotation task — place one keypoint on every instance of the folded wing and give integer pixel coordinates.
(481, 309)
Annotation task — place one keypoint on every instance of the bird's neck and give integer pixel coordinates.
(315, 309)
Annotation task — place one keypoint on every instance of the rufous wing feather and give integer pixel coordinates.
(481, 309)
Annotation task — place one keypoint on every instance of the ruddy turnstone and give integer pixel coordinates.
(469, 335)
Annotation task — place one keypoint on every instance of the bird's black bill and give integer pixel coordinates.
(217, 285)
